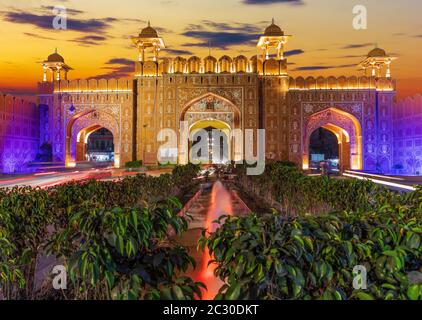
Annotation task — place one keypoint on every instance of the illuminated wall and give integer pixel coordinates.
(80, 106)
(368, 100)
(407, 120)
(19, 133)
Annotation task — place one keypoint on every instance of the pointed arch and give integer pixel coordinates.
(209, 96)
(82, 125)
(346, 127)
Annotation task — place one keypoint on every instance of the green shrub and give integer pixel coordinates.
(127, 253)
(294, 193)
(133, 164)
(26, 213)
(308, 257)
(326, 227)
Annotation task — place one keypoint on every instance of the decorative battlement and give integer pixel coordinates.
(342, 83)
(211, 64)
(87, 86)
(25, 106)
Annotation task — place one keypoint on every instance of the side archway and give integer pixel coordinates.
(349, 135)
(81, 126)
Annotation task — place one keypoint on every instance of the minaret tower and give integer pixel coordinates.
(56, 65)
(273, 38)
(377, 63)
(148, 39)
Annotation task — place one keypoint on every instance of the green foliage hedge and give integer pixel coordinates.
(126, 253)
(27, 213)
(133, 164)
(306, 253)
(290, 191)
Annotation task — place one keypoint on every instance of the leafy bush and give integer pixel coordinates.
(184, 176)
(308, 257)
(324, 229)
(133, 164)
(26, 214)
(293, 193)
(24, 228)
(127, 253)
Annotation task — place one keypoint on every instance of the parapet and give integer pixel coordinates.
(123, 85)
(342, 83)
(25, 106)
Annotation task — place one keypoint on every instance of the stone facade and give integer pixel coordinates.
(407, 124)
(19, 132)
(236, 92)
(288, 109)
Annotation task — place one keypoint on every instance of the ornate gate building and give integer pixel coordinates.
(228, 93)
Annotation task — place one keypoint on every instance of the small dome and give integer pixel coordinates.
(55, 57)
(148, 32)
(377, 52)
(273, 31)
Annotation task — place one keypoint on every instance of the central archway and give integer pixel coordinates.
(348, 131)
(210, 112)
(217, 145)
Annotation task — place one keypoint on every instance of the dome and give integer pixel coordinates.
(273, 31)
(148, 32)
(55, 57)
(377, 52)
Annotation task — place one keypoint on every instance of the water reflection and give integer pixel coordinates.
(220, 205)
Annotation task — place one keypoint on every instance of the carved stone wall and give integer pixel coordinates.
(371, 108)
(163, 102)
(407, 123)
(281, 106)
(19, 133)
(71, 100)
(275, 116)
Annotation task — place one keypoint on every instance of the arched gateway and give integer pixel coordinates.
(81, 126)
(247, 93)
(214, 114)
(346, 128)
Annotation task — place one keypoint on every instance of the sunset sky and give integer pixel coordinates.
(97, 41)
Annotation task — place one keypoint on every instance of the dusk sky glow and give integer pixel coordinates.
(97, 41)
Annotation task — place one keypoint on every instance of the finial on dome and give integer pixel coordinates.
(149, 23)
(273, 21)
